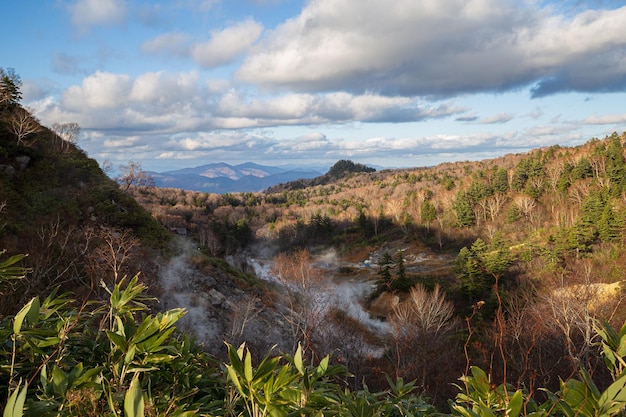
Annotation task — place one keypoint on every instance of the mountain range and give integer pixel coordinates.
(225, 178)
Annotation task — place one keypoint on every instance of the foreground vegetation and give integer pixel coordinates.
(112, 358)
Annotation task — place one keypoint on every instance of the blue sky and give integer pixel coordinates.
(406, 83)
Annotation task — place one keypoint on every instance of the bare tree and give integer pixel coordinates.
(133, 174)
(306, 295)
(553, 174)
(115, 250)
(68, 133)
(579, 191)
(421, 324)
(572, 304)
(494, 203)
(23, 124)
(107, 166)
(526, 204)
(249, 307)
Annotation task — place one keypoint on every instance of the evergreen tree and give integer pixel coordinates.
(429, 213)
(501, 181)
(616, 164)
(384, 272)
(464, 210)
(10, 88)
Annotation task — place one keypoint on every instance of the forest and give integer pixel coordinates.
(471, 288)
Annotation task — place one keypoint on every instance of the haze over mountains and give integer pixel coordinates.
(225, 178)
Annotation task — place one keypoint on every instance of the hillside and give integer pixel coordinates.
(61, 209)
(361, 279)
(505, 238)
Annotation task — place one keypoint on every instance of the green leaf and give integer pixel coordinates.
(322, 367)
(247, 370)
(60, 381)
(130, 354)
(480, 381)
(133, 400)
(88, 376)
(515, 404)
(118, 340)
(297, 360)
(29, 312)
(235, 378)
(15, 404)
(267, 366)
(465, 412)
(613, 398)
(234, 355)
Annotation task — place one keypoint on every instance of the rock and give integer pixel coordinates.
(22, 161)
(8, 170)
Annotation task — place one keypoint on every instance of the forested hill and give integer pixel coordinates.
(538, 242)
(58, 207)
(381, 289)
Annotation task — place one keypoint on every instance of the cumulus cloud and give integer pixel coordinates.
(101, 90)
(328, 108)
(168, 44)
(227, 44)
(154, 102)
(88, 13)
(435, 47)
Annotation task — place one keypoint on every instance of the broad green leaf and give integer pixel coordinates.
(234, 355)
(614, 397)
(29, 312)
(267, 366)
(297, 359)
(130, 354)
(88, 376)
(155, 358)
(322, 367)
(515, 404)
(486, 411)
(15, 404)
(621, 350)
(133, 400)
(247, 370)
(480, 381)
(465, 412)
(60, 381)
(234, 378)
(118, 340)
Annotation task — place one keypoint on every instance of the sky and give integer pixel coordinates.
(389, 83)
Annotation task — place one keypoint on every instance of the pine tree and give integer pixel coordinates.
(384, 272)
(464, 210)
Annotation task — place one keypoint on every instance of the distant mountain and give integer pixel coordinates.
(225, 178)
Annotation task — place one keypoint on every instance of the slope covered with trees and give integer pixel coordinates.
(506, 273)
(537, 238)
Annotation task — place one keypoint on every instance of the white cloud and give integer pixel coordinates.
(608, 119)
(101, 90)
(88, 13)
(168, 44)
(227, 45)
(496, 119)
(328, 108)
(435, 47)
